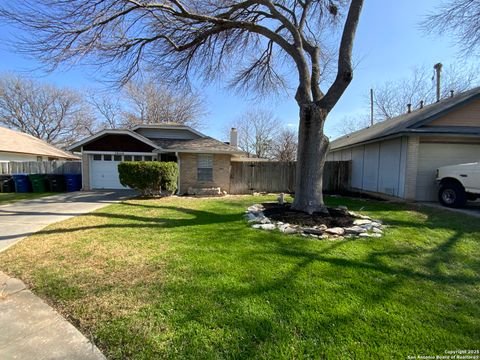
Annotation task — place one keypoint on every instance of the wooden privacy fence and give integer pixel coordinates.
(274, 176)
(41, 167)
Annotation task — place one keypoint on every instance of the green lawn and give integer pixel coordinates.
(186, 278)
(6, 198)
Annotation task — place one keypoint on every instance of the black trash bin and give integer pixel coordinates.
(56, 183)
(7, 184)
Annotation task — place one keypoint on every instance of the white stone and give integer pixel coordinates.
(342, 207)
(355, 230)
(377, 230)
(289, 230)
(376, 224)
(376, 235)
(335, 231)
(361, 222)
(365, 235)
(264, 226)
(256, 208)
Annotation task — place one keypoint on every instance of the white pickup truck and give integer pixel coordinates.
(458, 183)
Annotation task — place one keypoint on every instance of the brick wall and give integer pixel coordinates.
(188, 172)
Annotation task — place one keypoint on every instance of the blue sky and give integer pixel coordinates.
(388, 45)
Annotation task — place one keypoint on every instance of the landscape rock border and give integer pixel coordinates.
(363, 226)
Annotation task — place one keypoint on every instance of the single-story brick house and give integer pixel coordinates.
(203, 162)
(19, 146)
(399, 157)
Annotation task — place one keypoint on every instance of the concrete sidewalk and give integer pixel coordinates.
(23, 218)
(30, 329)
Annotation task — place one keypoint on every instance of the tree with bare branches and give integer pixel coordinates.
(392, 97)
(57, 115)
(251, 41)
(257, 130)
(460, 17)
(150, 102)
(285, 146)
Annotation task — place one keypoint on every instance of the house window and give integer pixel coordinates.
(127, 158)
(97, 157)
(107, 157)
(205, 167)
(147, 158)
(137, 158)
(117, 157)
(39, 158)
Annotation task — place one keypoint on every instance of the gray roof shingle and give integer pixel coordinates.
(206, 144)
(411, 122)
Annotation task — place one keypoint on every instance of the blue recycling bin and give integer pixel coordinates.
(22, 183)
(73, 182)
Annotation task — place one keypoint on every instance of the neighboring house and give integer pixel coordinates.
(18, 146)
(399, 157)
(203, 161)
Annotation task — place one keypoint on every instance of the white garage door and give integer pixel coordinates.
(434, 155)
(104, 172)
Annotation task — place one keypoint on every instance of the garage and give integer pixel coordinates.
(104, 169)
(431, 156)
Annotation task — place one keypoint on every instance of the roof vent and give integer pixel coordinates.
(451, 93)
(409, 108)
(421, 104)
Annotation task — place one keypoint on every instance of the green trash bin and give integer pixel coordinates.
(39, 182)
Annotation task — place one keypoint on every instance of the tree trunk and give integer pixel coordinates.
(312, 151)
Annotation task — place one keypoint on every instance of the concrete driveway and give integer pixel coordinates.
(472, 208)
(26, 217)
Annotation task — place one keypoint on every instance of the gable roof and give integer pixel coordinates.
(77, 146)
(204, 144)
(17, 142)
(411, 123)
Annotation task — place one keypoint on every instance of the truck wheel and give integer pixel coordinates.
(452, 195)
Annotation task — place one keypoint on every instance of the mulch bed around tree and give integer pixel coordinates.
(284, 213)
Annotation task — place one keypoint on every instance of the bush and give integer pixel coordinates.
(149, 177)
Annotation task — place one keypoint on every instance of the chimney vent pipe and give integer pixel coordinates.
(451, 93)
(438, 70)
(234, 137)
(421, 104)
(409, 107)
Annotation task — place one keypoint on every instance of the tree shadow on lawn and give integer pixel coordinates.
(228, 304)
(264, 309)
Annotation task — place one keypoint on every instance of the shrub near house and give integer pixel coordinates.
(149, 178)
